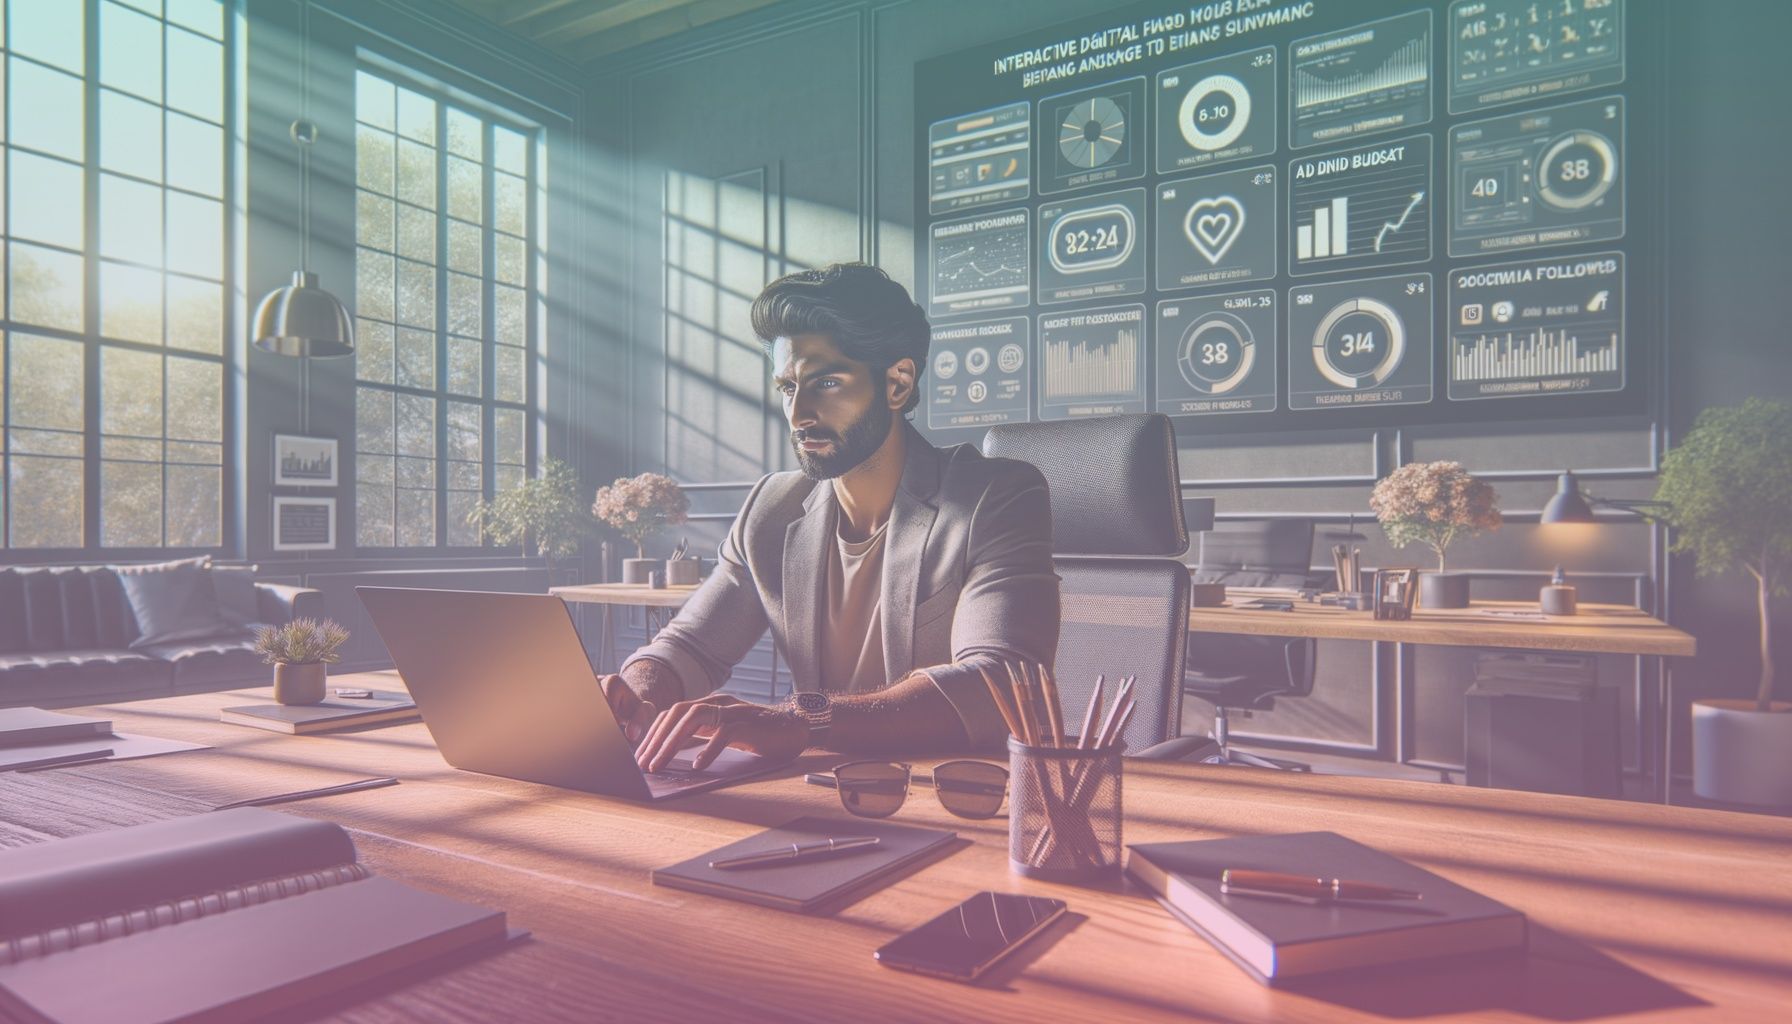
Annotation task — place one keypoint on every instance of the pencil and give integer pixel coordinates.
(995, 692)
(1053, 713)
(1087, 735)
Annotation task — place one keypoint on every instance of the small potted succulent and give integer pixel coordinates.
(299, 650)
(1727, 487)
(638, 507)
(1435, 504)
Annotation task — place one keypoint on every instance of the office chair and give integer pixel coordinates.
(1235, 671)
(1117, 529)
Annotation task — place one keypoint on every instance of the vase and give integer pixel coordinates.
(299, 684)
(1741, 755)
(636, 570)
(1443, 590)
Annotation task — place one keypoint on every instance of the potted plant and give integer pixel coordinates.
(1727, 487)
(544, 512)
(1435, 503)
(637, 507)
(299, 650)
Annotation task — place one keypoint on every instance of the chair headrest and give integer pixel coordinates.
(1115, 486)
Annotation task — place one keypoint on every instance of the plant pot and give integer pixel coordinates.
(1443, 590)
(636, 570)
(299, 684)
(1741, 755)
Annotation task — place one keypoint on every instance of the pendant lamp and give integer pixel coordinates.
(302, 319)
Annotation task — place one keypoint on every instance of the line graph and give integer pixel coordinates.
(1389, 226)
(1375, 212)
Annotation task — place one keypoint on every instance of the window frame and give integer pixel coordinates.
(91, 338)
(446, 95)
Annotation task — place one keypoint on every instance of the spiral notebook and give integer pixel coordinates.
(228, 915)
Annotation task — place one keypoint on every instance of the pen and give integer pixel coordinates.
(797, 851)
(63, 760)
(306, 794)
(1254, 883)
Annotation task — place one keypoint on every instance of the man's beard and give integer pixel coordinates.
(861, 440)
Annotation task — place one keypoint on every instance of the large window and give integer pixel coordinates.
(112, 411)
(447, 248)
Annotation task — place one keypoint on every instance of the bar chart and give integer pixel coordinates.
(1092, 362)
(1539, 353)
(1362, 208)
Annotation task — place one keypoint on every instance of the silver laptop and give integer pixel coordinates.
(504, 686)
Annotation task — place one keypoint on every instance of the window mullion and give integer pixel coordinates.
(441, 331)
(90, 274)
(488, 317)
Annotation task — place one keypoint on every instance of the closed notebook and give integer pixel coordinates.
(25, 727)
(805, 885)
(1276, 941)
(228, 915)
(333, 713)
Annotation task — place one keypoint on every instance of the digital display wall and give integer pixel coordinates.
(1285, 214)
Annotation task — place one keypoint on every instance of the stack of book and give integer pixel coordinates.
(382, 708)
(1279, 936)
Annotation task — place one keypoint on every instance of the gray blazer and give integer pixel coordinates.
(968, 580)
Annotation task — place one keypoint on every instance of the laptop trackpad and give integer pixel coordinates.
(731, 761)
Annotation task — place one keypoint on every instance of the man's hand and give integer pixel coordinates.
(724, 721)
(635, 715)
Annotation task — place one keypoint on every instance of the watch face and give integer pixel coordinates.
(812, 702)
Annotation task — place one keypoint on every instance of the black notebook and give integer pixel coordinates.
(384, 707)
(1276, 941)
(811, 884)
(228, 915)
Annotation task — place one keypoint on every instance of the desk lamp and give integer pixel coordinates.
(1570, 505)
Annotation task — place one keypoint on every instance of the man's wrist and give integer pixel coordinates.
(654, 680)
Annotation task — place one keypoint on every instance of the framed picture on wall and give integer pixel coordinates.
(304, 524)
(304, 461)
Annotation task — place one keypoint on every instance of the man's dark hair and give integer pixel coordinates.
(869, 317)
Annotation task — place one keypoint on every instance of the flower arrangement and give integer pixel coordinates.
(637, 507)
(1434, 503)
(301, 642)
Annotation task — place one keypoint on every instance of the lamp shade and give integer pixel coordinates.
(1568, 505)
(302, 319)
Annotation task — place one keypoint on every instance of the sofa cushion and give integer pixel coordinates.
(54, 609)
(173, 601)
(75, 676)
(235, 588)
(212, 662)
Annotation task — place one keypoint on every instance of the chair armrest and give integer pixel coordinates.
(1176, 748)
(280, 603)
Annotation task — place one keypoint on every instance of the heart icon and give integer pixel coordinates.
(1213, 224)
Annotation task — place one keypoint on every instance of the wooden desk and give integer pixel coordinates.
(1637, 910)
(1597, 629)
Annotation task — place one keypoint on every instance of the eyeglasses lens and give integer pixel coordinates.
(872, 789)
(971, 789)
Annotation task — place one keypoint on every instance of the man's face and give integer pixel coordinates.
(838, 408)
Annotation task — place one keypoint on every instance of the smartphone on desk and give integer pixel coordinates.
(967, 940)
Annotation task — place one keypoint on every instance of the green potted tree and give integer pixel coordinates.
(1727, 488)
(299, 650)
(544, 512)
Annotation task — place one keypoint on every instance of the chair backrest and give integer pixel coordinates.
(1236, 670)
(1116, 529)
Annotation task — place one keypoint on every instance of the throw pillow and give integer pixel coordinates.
(172, 601)
(235, 587)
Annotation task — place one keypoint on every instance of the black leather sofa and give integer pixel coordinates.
(66, 634)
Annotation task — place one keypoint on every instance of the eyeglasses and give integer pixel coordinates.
(876, 789)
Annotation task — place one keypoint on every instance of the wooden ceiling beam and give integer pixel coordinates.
(559, 29)
(643, 30)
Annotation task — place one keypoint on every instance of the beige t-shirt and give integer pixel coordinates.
(852, 629)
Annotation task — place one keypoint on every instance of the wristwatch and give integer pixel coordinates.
(817, 709)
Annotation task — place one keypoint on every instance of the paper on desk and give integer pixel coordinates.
(124, 746)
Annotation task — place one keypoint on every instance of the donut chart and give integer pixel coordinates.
(1216, 353)
(1219, 102)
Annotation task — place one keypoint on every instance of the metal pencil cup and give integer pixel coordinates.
(1064, 812)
